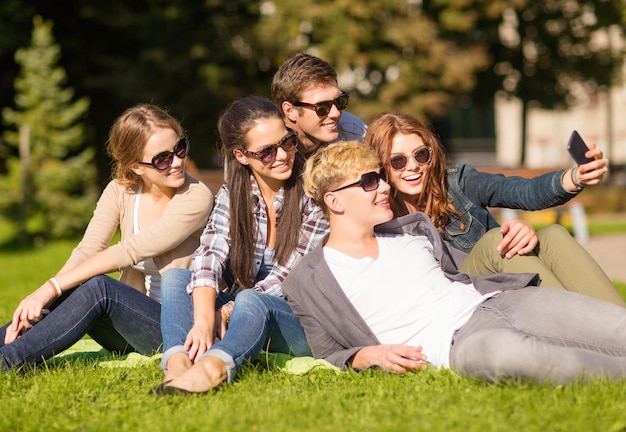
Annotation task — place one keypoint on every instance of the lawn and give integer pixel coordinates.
(88, 396)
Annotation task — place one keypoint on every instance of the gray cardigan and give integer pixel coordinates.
(334, 329)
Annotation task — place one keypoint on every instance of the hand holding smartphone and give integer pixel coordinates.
(577, 148)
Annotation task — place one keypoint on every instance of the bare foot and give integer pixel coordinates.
(205, 375)
(177, 364)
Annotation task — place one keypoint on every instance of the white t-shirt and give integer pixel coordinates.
(404, 295)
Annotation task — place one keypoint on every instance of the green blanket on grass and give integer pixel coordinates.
(89, 350)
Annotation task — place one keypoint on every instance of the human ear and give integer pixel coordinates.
(137, 169)
(290, 112)
(333, 202)
(241, 158)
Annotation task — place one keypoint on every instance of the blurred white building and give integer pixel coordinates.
(599, 118)
(602, 121)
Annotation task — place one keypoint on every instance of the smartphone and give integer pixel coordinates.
(577, 148)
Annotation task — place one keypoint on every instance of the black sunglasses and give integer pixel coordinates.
(368, 181)
(422, 157)
(324, 107)
(163, 160)
(268, 153)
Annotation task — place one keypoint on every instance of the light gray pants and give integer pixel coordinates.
(542, 334)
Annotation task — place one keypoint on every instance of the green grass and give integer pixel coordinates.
(598, 224)
(607, 227)
(81, 395)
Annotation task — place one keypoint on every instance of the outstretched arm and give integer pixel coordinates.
(588, 174)
(519, 238)
(29, 310)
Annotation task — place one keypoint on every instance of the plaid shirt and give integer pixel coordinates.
(211, 256)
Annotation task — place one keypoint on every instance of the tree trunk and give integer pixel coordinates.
(522, 160)
(26, 189)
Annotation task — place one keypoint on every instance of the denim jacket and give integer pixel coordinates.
(351, 128)
(472, 192)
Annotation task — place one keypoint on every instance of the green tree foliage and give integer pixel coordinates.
(192, 57)
(549, 53)
(48, 187)
(543, 50)
(418, 56)
(389, 53)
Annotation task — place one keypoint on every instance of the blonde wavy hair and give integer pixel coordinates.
(332, 165)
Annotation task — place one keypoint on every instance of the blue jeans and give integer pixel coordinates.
(117, 316)
(542, 334)
(258, 322)
(177, 309)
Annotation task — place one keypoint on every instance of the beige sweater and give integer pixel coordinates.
(171, 241)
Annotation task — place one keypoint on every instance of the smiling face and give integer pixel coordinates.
(265, 132)
(408, 182)
(170, 179)
(312, 129)
(363, 208)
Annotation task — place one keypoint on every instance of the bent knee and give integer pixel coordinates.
(554, 239)
(175, 278)
(249, 298)
(493, 236)
(495, 357)
(552, 232)
(95, 288)
(95, 282)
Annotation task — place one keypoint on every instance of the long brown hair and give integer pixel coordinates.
(233, 125)
(433, 200)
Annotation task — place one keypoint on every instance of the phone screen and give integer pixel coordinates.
(577, 148)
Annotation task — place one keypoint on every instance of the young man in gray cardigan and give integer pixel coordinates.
(392, 297)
